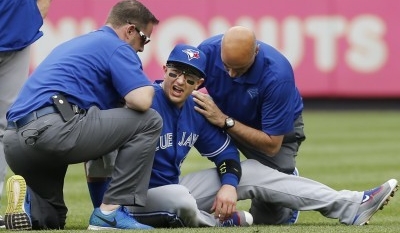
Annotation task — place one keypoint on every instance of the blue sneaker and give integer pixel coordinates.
(238, 219)
(295, 213)
(374, 200)
(118, 219)
(17, 215)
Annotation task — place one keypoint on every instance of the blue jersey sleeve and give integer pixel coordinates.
(127, 73)
(217, 147)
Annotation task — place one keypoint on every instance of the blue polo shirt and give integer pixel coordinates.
(95, 69)
(20, 21)
(265, 97)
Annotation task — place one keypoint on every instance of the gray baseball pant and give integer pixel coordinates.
(172, 206)
(167, 206)
(14, 69)
(189, 202)
(87, 136)
(284, 161)
(269, 186)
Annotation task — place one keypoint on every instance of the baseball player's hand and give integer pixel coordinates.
(209, 109)
(225, 202)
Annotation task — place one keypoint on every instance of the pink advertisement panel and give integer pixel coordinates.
(337, 48)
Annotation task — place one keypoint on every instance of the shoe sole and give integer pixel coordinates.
(394, 187)
(97, 228)
(15, 217)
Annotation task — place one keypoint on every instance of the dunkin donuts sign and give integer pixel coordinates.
(337, 48)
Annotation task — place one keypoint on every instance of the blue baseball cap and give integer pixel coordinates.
(189, 57)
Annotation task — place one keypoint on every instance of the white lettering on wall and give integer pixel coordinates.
(325, 31)
(179, 29)
(66, 29)
(358, 41)
(367, 50)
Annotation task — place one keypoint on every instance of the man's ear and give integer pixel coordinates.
(130, 30)
(165, 70)
(201, 81)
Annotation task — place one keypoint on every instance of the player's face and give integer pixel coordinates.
(179, 84)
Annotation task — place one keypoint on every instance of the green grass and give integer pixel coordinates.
(345, 150)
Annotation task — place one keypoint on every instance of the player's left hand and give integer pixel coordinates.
(209, 109)
(225, 202)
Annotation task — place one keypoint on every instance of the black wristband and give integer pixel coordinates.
(229, 166)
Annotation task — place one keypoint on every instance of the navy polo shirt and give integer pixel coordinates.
(20, 21)
(265, 97)
(95, 69)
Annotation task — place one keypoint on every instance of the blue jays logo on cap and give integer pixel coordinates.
(191, 53)
(189, 56)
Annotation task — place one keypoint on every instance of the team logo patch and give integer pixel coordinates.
(191, 53)
(253, 92)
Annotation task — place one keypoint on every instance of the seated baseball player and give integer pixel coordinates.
(170, 204)
(189, 201)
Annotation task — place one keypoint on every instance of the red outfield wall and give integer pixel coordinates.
(338, 48)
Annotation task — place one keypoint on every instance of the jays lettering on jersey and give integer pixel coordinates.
(183, 129)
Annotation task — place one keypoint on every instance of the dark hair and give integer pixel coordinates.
(131, 11)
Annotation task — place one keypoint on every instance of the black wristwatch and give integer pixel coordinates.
(229, 123)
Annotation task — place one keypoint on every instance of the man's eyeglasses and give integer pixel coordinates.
(191, 79)
(143, 37)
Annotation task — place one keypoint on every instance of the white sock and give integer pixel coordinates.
(106, 212)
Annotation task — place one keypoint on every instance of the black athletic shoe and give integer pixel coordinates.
(2, 225)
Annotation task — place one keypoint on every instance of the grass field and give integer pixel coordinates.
(354, 150)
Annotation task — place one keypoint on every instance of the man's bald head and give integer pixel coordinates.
(238, 48)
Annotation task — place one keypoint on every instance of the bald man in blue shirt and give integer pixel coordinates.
(255, 100)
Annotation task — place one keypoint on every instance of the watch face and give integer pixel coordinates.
(229, 122)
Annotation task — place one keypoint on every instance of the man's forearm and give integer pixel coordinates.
(255, 138)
